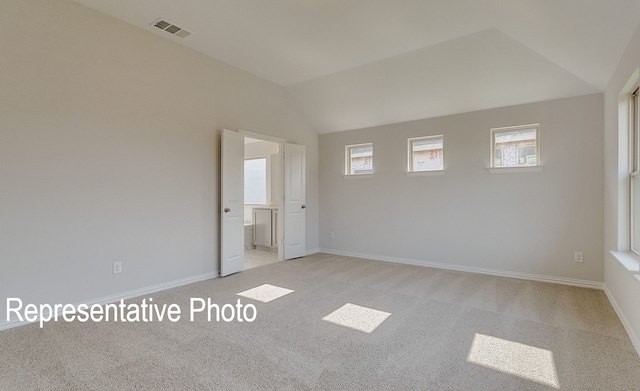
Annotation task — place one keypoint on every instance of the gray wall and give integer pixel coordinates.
(518, 222)
(109, 151)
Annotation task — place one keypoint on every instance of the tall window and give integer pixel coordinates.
(517, 146)
(255, 181)
(634, 175)
(359, 159)
(426, 153)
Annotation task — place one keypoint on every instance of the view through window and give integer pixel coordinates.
(359, 159)
(426, 153)
(515, 146)
(255, 181)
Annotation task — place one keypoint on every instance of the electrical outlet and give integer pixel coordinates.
(332, 235)
(117, 267)
(578, 256)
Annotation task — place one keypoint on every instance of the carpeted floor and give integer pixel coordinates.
(254, 258)
(447, 331)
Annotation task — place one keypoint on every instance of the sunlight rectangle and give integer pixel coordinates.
(265, 293)
(514, 358)
(357, 317)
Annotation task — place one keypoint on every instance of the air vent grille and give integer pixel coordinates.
(171, 28)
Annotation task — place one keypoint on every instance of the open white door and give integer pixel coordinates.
(294, 201)
(232, 203)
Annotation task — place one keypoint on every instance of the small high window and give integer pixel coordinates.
(517, 146)
(359, 159)
(426, 154)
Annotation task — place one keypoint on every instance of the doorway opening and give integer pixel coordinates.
(262, 201)
(287, 199)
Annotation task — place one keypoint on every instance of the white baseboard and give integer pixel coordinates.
(472, 269)
(635, 341)
(127, 295)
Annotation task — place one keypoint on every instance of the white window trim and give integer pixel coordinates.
(628, 260)
(514, 169)
(634, 157)
(347, 161)
(410, 171)
(623, 254)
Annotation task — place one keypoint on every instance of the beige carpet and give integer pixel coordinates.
(447, 331)
(254, 258)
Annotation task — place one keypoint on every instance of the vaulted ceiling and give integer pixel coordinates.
(357, 63)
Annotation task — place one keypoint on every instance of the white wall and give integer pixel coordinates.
(622, 286)
(522, 223)
(109, 151)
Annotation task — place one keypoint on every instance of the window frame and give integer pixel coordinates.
(410, 151)
(634, 168)
(495, 131)
(495, 150)
(347, 159)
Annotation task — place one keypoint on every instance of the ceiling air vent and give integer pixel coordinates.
(171, 28)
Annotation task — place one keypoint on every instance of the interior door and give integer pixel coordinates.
(232, 203)
(294, 201)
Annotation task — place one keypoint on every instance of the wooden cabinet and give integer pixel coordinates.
(265, 227)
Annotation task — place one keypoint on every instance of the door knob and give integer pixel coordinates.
(227, 210)
(304, 207)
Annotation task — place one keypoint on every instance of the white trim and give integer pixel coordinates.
(359, 176)
(424, 173)
(517, 127)
(262, 137)
(127, 295)
(472, 269)
(627, 259)
(513, 170)
(635, 341)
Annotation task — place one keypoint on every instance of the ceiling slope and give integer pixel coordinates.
(480, 71)
(411, 51)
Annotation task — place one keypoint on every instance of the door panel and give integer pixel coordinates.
(232, 203)
(294, 201)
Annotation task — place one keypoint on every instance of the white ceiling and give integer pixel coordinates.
(358, 63)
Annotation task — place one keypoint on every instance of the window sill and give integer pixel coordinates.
(424, 173)
(628, 260)
(358, 176)
(513, 170)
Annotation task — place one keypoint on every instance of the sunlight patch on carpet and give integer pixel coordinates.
(514, 358)
(357, 317)
(265, 293)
